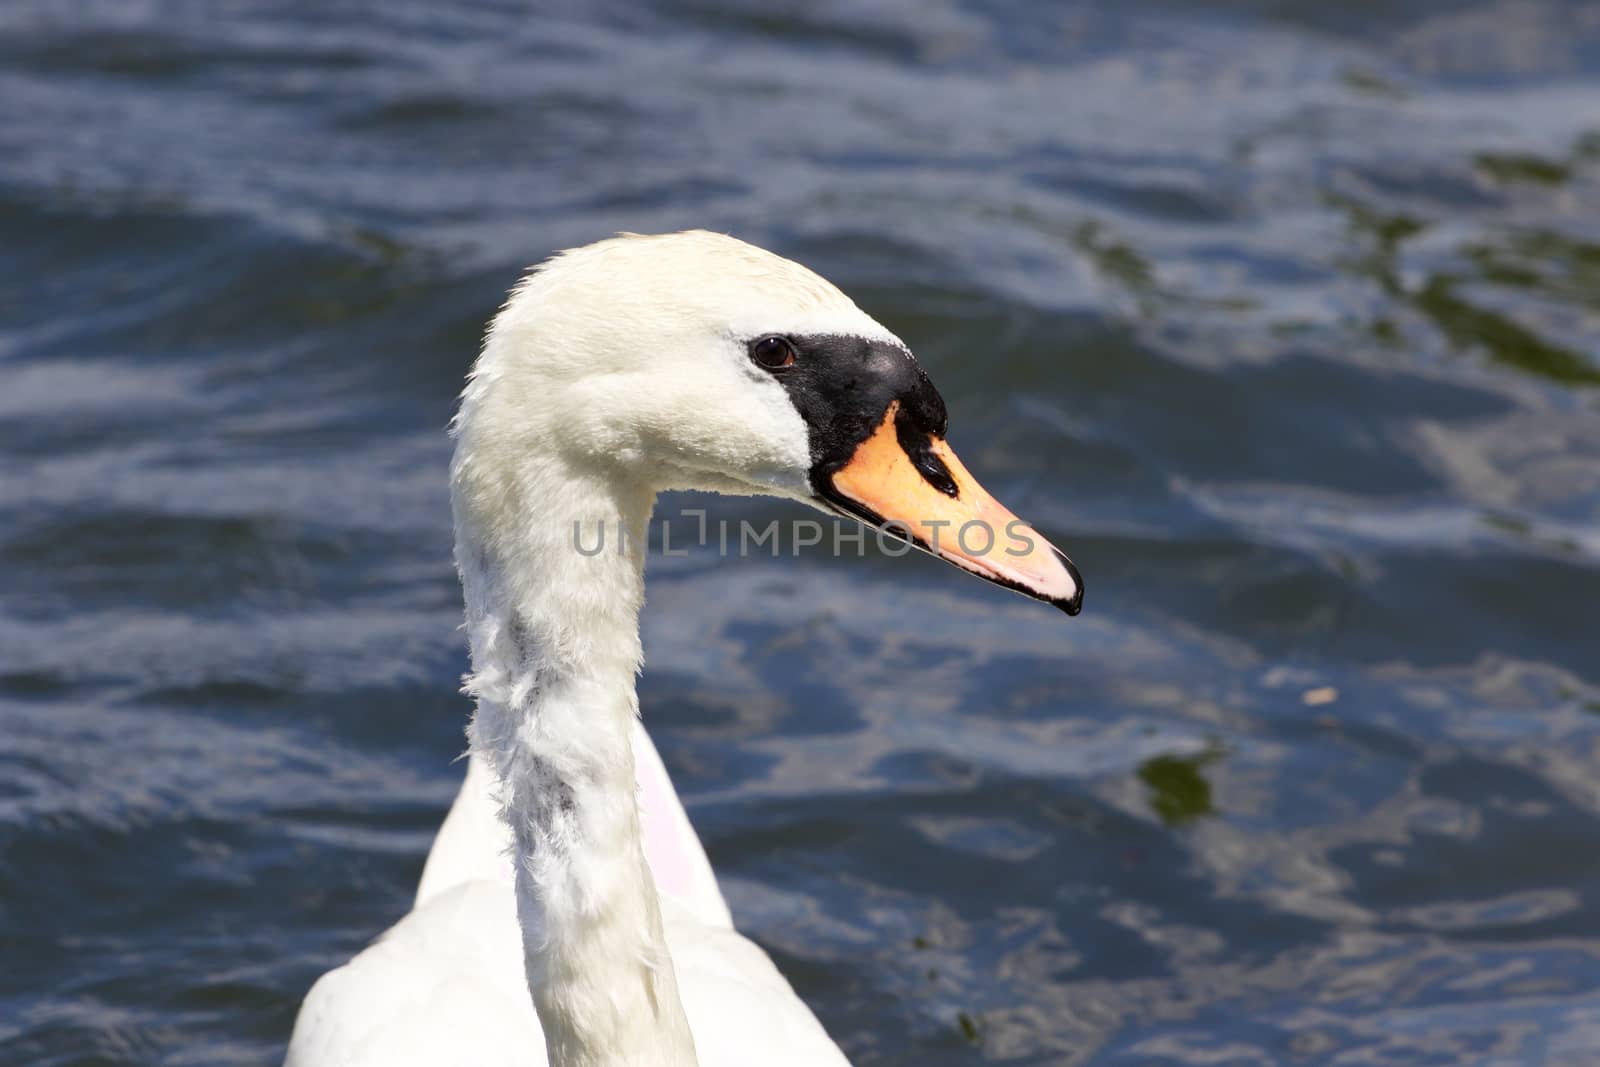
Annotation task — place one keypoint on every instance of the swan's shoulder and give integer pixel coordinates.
(474, 843)
(740, 1007)
(445, 985)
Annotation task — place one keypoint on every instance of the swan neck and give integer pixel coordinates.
(552, 565)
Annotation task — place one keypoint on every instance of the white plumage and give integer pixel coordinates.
(445, 985)
(626, 353)
(567, 912)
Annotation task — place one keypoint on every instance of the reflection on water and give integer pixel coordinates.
(1179, 792)
(1279, 317)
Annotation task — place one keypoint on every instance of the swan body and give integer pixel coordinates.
(567, 914)
(445, 985)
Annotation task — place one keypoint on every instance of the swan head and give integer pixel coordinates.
(696, 361)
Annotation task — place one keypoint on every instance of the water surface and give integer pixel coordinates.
(1280, 317)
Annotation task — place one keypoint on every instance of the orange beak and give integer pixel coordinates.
(934, 502)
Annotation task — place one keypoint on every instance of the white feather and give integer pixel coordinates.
(567, 868)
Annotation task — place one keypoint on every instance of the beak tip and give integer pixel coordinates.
(1074, 603)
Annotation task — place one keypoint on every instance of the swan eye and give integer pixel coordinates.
(773, 352)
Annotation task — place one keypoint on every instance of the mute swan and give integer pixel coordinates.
(566, 868)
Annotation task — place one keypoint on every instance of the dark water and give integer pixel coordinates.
(1281, 316)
